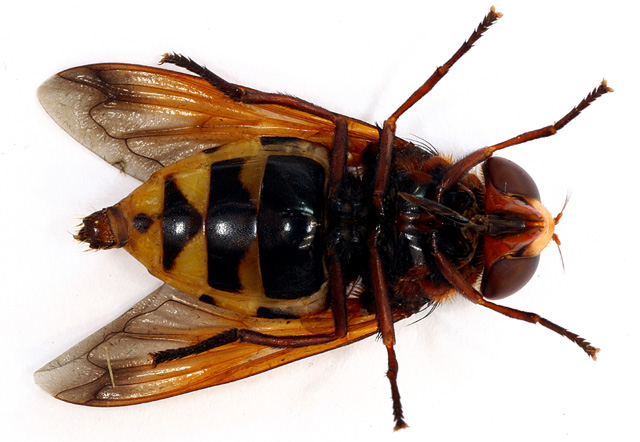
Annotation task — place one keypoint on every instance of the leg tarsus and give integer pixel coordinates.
(441, 71)
(218, 340)
(462, 166)
(241, 95)
(384, 316)
(392, 375)
(457, 281)
(229, 89)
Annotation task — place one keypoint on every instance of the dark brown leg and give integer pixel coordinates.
(338, 160)
(248, 96)
(458, 282)
(385, 153)
(462, 166)
(384, 315)
(381, 180)
(441, 71)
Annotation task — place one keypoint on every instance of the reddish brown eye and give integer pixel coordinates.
(507, 177)
(508, 275)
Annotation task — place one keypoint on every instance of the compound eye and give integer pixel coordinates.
(507, 177)
(508, 275)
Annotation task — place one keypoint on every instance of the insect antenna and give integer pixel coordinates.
(557, 241)
(556, 220)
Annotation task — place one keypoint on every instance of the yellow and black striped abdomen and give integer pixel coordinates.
(240, 226)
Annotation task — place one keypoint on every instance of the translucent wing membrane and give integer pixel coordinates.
(140, 119)
(168, 319)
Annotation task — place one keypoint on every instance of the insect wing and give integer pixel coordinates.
(141, 119)
(166, 319)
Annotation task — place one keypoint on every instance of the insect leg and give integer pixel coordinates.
(384, 316)
(229, 89)
(453, 277)
(462, 166)
(441, 71)
(246, 95)
(381, 179)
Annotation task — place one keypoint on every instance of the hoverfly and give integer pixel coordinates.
(281, 229)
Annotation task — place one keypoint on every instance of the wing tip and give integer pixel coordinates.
(62, 379)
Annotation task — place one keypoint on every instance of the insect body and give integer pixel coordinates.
(280, 229)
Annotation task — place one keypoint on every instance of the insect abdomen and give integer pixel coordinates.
(242, 224)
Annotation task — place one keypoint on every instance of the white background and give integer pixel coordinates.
(465, 372)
